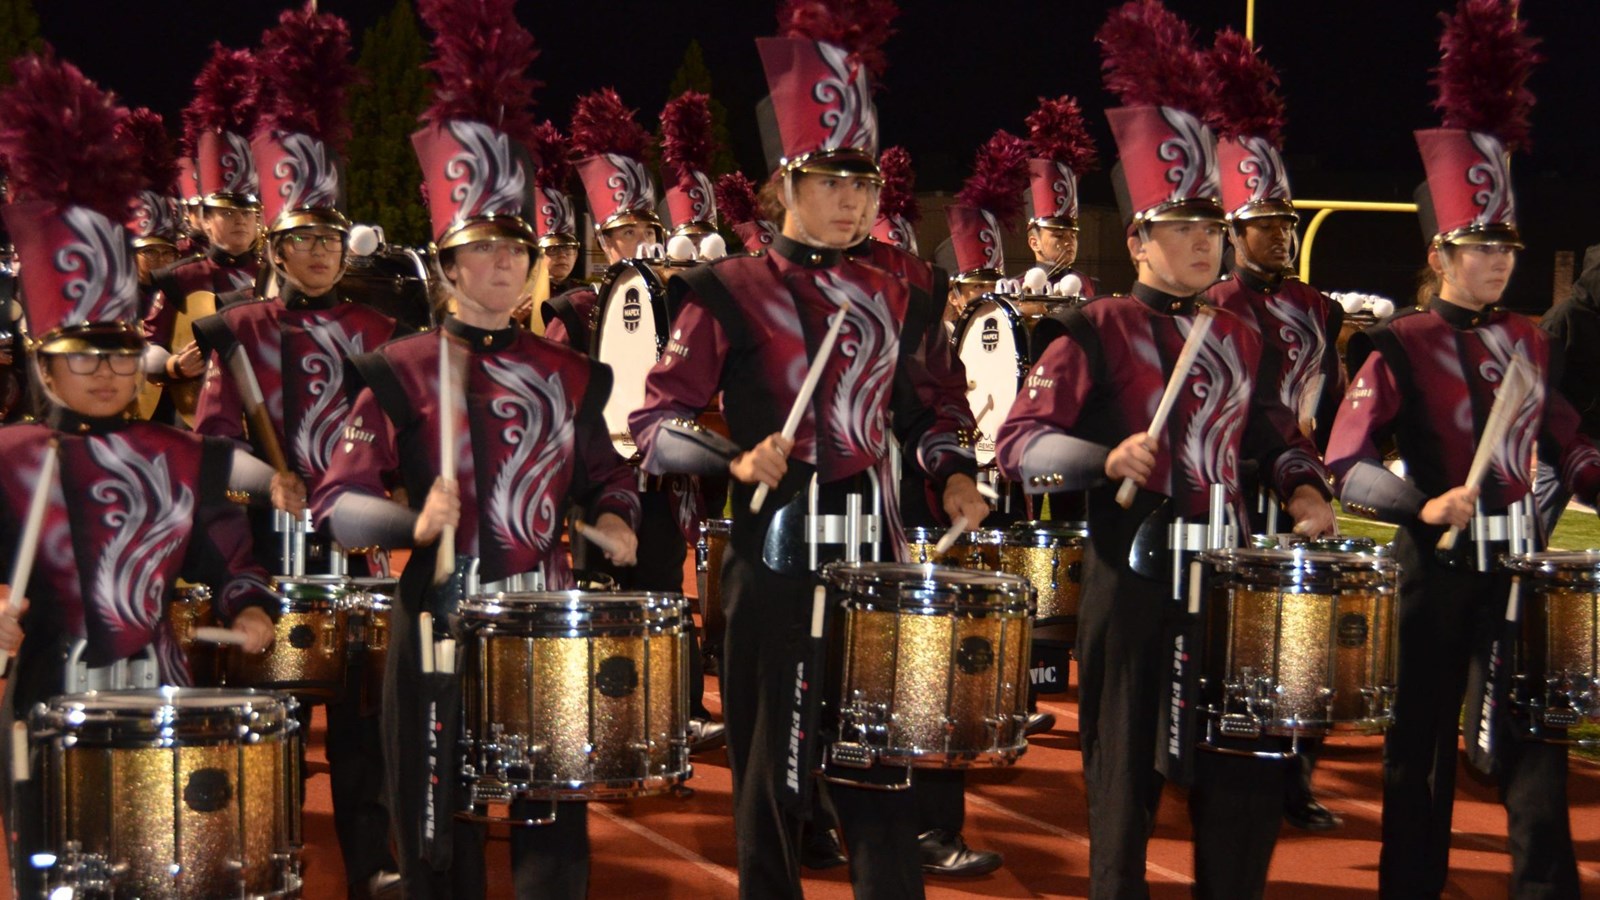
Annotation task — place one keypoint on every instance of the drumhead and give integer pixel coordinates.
(309, 592)
(927, 587)
(631, 334)
(1292, 566)
(1567, 566)
(573, 613)
(1046, 534)
(165, 716)
(993, 346)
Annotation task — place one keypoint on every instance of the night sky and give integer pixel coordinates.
(1355, 75)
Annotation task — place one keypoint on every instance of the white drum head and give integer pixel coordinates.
(628, 342)
(989, 349)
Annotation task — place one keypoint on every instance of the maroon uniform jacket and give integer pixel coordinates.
(216, 271)
(530, 437)
(1299, 329)
(1102, 381)
(136, 505)
(570, 318)
(749, 326)
(1430, 385)
(297, 347)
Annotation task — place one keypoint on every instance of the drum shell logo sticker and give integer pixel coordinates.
(617, 677)
(207, 790)
(991, 335)
(975, 655)
(632, 311)
(1352, 630)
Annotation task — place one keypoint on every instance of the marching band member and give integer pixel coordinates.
(297, 346)
(556, 223)
(529, 432)
(739, 207)
(1298, 324)
(750, 326)
(989, 200)
(1061, 151)
(1082, 423)
(154, 226)
(1429, 377)
(136, 504)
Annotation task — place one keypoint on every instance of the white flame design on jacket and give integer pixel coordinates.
(108, 288)
(1512, 460)
(321, 425)
(495, 181)
(1210, 440)
(1195, 152)
(1267, 179)
(127, 575)
(851, 116)
(871, 343)
(312, 178)
(534, 418)
(1494, 174)
(1305, 345)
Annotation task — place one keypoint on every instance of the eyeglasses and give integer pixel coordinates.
(304, 243)
(89, 363)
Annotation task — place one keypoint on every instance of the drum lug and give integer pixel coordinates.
(87, 872)
(1240, 726)
(852, 754)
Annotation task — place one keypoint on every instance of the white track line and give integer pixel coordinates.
(977, 799)
(721, 873)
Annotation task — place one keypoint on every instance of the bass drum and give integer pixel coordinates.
(631, 334)
(992, 342)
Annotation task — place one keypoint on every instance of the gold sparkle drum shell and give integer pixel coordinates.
(575, 696)
(370, 603)
(978, 550)
(934, 664)
(1050, 556)
(191, 609)
(180, 793)
(708, 554)
(310, 644)
(1559, 655)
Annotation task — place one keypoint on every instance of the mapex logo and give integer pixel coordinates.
(991, 335)
(632, 312)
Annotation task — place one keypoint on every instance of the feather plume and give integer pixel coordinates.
(686, 141)
(861, 27)
(736, 199)
(553, 153)
(1246, 99)
(480, 57)
(1148, 58)
(999, 177)
(305, 72)
(158, 160)
(1057, 131)
(897, 197)
(58, 133)
(226, 97)
(601, 124)
(1483, 72)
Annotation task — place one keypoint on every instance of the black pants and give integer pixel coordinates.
(354, 747)
(768, 616)
(36, 676)
(1235, 805)
(1448, 619)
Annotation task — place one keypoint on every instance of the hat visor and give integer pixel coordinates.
(549, 241)
(1483, 234)
(631, 217)
(289, 220)
(232, 201)
(104, 337)
(1265, 209)
(843, 163)
(1204, 209)
(1063, 222)
(490, 228)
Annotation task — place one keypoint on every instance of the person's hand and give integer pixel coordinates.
(1453, 507)
(443, 507)
(288, 493)
(625, 551)
(961, 499)
(1133, 458)
(256, 627)
(186, 363)
(765, 464)
(1313, 515)
(10, 620)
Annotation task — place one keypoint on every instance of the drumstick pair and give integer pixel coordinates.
(28, 546)
(1514, 389)
(436, 657)
(1191, 348)
(807, 388)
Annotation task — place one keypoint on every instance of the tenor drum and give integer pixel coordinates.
(708, 553)
(370, 603)
(972, 550)
(934, 665)
(1559, 663)
(191, 609)
(310, 646)
(1050, 556)
(575, 696)
(189, 793)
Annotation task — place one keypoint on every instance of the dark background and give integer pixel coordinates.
(1355, 75)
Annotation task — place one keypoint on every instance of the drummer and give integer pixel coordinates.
(555, 222)
(1060, 151)
(1453, 605)
(750, 348)
(296, 346)
(526, 419)
(990, 198)
(1082, 424)
(135, 505)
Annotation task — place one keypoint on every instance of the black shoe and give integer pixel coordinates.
(384, 885)
(1039, 722)
(819, 849)
(944, 853)
(1306, 813)
(705, 734)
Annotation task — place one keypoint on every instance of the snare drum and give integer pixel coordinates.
(574, 696)
(1050, 556)
(309, 647)
(1559, 671)
(171, 793)
(708, 553)
(934, 665)
(972, 550)
(371, 601)
(191, 609)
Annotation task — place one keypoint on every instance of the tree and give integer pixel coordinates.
(694, 76)
(385, 181)
(19, 33)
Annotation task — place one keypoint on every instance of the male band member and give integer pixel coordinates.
(134, 505)
(1429, 378)
(1574, 323)
(687, 145)
(529, 437)
(754, 349)
(1060, 152)
(555, 221)
(217, 128)
(153, 224)
(989, 200)
(1298, 324)
(1082, 423)
(297, 346)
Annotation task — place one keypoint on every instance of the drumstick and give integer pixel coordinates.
(445, 562)
(1514, 389)
(1191, 349)
(255, 407)
(425, 640)
(28, 546)
(950, 536)
(213, 635)
(807, 388)
(19, 752)
(599, 538)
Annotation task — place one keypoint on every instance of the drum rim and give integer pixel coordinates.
(843, 574)
(262, 713)
(1030, 533)
(1552, 561)
(1230, 557)
(989, 536)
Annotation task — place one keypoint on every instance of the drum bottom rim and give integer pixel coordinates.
(606, 789)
